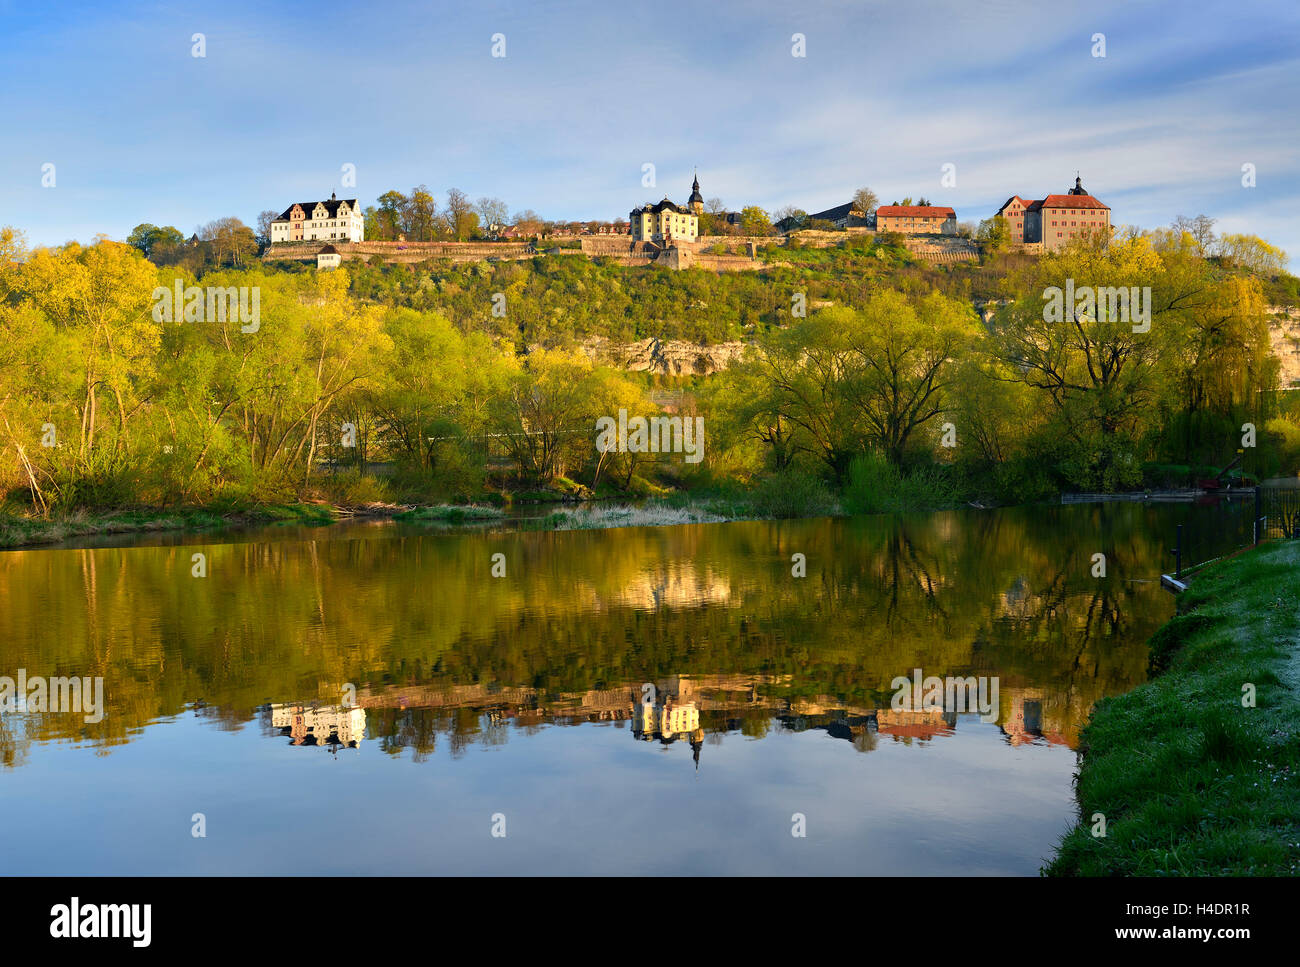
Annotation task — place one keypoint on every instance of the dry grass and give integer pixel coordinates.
(621, 515)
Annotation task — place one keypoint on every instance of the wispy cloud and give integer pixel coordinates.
(1008, 92)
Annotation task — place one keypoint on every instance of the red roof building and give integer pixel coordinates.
(916, 219)
(1057, 219)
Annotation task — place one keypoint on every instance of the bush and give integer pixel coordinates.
(792, 493)
(876, 486)
(351, 488)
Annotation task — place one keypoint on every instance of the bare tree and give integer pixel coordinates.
(865, 200)
(492, 211)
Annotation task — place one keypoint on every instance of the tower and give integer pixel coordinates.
(696, 202)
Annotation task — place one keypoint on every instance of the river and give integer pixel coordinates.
(386, 698)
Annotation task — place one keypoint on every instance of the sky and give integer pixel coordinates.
(886, 95)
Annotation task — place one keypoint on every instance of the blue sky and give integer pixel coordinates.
(1008, 92)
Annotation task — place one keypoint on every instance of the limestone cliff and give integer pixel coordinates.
(667, 357)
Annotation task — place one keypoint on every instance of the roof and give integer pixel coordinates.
(331, 206)
(328, 250)
(836, 213)
(1069, 201)
(664, 205)
(915, 211)
(1023, 201)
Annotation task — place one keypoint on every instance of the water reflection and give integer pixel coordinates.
(331, 726)
(587, 614)
(689, 638)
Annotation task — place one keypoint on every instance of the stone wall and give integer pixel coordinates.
(405, 251)
(942, 248)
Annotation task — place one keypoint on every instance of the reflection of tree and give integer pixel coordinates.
(1005, 593)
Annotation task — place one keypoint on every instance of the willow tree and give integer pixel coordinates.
(869, 378)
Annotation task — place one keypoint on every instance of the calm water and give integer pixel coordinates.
(516, 703)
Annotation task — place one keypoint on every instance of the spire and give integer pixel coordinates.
(696, 201)
(1078, 188)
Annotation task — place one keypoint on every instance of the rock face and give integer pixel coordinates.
(1284, 333)
(669, 357)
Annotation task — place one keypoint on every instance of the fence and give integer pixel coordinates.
(1280, 509)
(1239, 519)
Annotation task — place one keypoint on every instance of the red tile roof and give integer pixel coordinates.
(1024, 203)
(1070, 201)
(914, 211)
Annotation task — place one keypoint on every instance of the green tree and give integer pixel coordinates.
(755, 221)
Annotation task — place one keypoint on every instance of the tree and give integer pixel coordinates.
(419, 215)
(233, 242)
(1101, 381)
(141, 237)
(755, 221)
(459, 214)
(98, 297)
(1253, 253)
(993, 234)
(390, 218)
(547, 417)
(849, 380)
(1200, 228)
(13, 251)
(492, 211)
(264, 221)
(791, 219)
(147, 238)
(865, 200)
(528, 222)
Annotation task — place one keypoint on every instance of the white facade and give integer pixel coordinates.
(335, 220)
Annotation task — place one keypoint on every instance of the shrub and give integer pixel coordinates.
(792, 493)
(352, 487)
(876, 486)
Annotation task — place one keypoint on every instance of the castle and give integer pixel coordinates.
(337, 220)
(667, 221)
(1055, 220)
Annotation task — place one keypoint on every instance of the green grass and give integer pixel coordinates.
(1190, 782)
(19, 530)
(449, 514)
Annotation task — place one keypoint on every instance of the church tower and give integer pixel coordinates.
(696, 203)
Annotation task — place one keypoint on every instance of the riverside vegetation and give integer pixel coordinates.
(452, 400)
(1191, 780)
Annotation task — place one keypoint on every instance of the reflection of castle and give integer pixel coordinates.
(692, 707)
(1024, 721)
(321, 725)
(668, 720)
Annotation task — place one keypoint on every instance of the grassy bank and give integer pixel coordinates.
(18, 530)
(1190, 782)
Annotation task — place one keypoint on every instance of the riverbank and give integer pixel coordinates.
(17, 530)
(23, 531)
(1191, 782)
